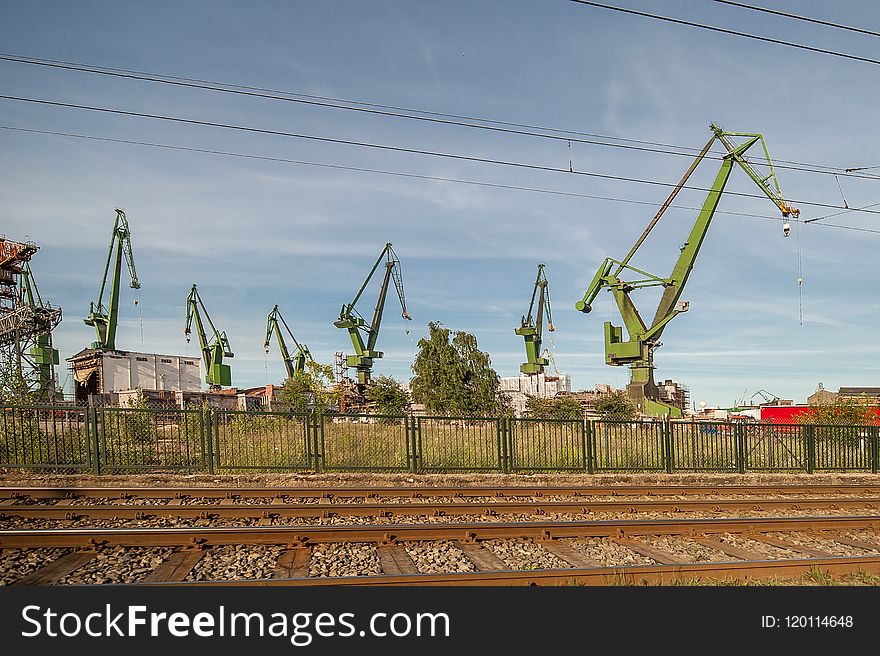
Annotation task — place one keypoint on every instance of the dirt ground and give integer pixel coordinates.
(15, 478)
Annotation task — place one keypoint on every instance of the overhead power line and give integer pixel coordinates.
(403, 174)
(807, 19)
(386, 147)
(713, 28)
(396, 149)
(517, 129)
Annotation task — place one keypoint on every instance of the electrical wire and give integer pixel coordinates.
(418, 176)
(397, 149)
(713, 28)
(807, 19)
(518, 129)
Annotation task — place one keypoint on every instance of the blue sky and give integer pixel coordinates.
(255, 233)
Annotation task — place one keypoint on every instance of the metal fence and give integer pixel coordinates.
(75, 439)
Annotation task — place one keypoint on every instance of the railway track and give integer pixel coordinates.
(624, 534)
(273, 510)
(330, 492)
(294, 550)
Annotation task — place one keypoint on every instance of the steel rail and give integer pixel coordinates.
(633, 575)
(312, 510)
(658, 489)
(392, 533)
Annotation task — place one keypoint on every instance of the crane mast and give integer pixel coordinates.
(105, 319)
(531, 329)
(293, 364)
(42, 353)
(351, 320)
(638, 350)
(213, 349)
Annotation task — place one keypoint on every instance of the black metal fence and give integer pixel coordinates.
(74, 439)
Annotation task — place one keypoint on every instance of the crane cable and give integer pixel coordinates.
(800, 276)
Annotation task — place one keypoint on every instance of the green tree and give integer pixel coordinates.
(841, 411)
(388, 396)
(309, 390)
(615, 405)
(453, 377)
(559, 407)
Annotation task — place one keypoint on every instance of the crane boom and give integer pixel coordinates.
(105, 319)
(295, 364)
(637, 351)
(214, 349)
(42, 354)
(350, 318)
(532, 329)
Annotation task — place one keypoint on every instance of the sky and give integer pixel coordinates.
(252, 233)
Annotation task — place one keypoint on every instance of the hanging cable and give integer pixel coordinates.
(800, 276)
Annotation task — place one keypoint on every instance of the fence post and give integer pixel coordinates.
(667, 442)
(502, 443)
(92, 418)
(741, 447)
(809, 429)
(208, 437)
(875, 448)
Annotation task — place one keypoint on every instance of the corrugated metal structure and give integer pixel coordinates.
(100, 371)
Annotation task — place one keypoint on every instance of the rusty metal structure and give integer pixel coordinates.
(27, 359)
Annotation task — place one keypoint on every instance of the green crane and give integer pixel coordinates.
(531, 329)
(105, 319)
(217, 374)
(350, 319)
(294, 364)
(638, 350)
(43, 356)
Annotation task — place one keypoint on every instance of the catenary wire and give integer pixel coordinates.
(517, 129)
(398, 149)
(713, 28)
(402, 174)
(807, 19)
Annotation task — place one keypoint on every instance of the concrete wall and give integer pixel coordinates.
(151, 371)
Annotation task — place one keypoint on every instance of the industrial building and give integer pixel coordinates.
(542, 385)
(100, 371)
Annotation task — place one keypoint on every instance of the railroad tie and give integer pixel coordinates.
(394, 559)
(869, 546)
(569, 554)
(659, 555)
(483, 559)
(293, 563)
(176, 566)
(58, 568)
(791, 546)
(729, 549)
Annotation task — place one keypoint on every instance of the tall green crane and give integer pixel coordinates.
(350, 319)
(638, 350)
(42, 355)
(531, 329)
(293, 364)
(214, 350)
(105, 319)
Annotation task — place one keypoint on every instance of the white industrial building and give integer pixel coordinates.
(544, 386)
(98, 371)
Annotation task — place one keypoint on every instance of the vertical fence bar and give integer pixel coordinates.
(741, 448)
(875, 449)
(92, 417)
(590, 439)
(207, 432)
